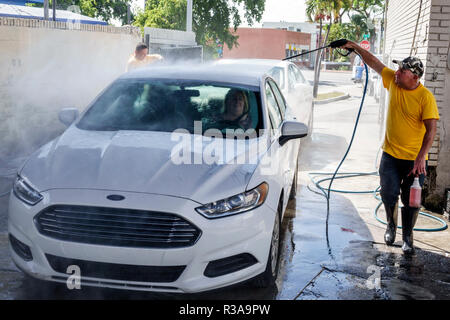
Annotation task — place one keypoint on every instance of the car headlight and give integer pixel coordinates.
(25, 192)
(236, 204)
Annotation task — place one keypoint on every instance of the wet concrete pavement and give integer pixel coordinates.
(353, 264)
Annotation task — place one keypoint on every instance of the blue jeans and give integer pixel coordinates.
(394, 179)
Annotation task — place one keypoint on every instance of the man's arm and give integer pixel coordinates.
(428, 138)
(368, 58)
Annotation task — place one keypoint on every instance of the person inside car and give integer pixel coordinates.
(236, 109)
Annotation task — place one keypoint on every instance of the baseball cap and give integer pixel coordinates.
(412, 64)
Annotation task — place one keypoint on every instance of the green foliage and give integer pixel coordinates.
(163, 14)
(212, 20)
(107, 9)
(360, 12)
(360, 27)
(342, 30)
(368, 7)
(327, 9)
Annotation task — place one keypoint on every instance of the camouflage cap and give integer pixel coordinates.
(412, 64)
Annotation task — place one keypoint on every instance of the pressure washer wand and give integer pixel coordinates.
(334, 44)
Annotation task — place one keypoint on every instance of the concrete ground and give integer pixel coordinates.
(351, 263)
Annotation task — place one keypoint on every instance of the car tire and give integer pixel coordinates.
(268, 277)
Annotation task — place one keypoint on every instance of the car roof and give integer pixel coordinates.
(232, 73)
(269, 63)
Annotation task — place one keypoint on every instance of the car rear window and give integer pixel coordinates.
(160, 105)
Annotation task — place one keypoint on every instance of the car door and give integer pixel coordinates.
(283, 154)
(299, 95)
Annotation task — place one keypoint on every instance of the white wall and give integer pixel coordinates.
(46, 66)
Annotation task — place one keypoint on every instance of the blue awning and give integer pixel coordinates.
(20, 2)
(17, 11)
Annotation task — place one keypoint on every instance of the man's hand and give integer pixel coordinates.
(419, 167)
(349, 45)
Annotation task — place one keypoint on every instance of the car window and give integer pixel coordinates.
(298, 75)
(158, 105)
(272, 106)
(277, 73)
(292, 79)
(280, 99)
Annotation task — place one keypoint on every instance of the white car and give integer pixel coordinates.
(123, 201)
(294, 86)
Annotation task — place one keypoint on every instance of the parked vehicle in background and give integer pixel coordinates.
(295, 88)
(123, 195)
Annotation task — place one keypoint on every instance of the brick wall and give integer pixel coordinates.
(265, 43)
(48, 65)
(437, 79)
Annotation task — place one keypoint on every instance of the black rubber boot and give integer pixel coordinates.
(409, 218)
(391, 218)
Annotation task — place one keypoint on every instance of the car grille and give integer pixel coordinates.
(114, 271)
(116, 227)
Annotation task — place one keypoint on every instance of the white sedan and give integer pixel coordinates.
(154, 187)
(290, 79)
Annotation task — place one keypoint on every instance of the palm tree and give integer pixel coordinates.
(319, 10)
(339, 7)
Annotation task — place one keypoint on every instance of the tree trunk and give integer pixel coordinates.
(319, 58)
(317, 62)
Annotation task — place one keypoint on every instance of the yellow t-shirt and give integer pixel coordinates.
(134, 63)
(405, 128)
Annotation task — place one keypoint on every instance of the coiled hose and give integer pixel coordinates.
(343, 175)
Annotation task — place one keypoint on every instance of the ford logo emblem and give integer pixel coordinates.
(115, 197)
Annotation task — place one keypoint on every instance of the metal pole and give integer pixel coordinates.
(45, 9)
(54, 9)
(128, 14)
(189, 16)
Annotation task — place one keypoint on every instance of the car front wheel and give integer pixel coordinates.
(268, 277)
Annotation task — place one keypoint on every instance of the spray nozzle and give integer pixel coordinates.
(338, 43)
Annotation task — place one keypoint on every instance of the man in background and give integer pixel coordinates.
(141, 58)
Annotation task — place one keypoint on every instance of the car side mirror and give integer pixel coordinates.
(292, 130)
(68, 115)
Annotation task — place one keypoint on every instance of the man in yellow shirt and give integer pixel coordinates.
(141, 58)
(410, 130)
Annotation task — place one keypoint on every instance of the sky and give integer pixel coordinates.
(276, 10)
(283, 10)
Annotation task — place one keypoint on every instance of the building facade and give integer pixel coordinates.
(422, 28)
(305, 27)
(262, 43)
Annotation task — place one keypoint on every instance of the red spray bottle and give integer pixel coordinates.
(415, 194)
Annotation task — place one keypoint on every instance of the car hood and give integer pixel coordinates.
(138, 161)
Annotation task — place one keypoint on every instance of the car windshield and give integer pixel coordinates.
(161, 105)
